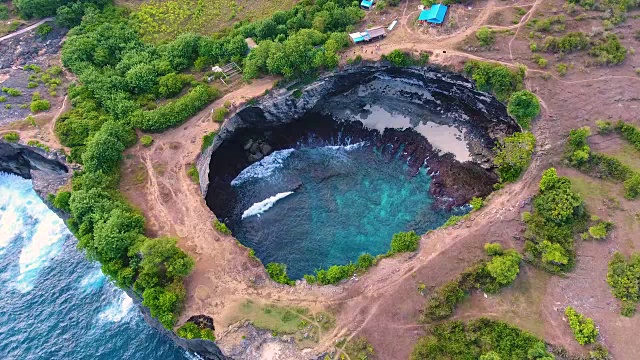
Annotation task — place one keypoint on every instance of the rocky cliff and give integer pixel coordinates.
(287, 117)
(47, 170)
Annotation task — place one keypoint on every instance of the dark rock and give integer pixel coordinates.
(47, 170)
(314, 119)
(203, 321)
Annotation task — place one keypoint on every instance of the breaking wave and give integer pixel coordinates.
(118, 310)
(264, 167)
(264, 205)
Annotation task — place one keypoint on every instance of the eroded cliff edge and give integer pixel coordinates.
(286, 117)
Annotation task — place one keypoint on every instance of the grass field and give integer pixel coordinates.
(162, 20)
(305, 326)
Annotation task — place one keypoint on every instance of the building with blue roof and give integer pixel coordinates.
(366, 4)
(433, 15)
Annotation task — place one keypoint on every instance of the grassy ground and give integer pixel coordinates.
(162, 20)
(306, 327)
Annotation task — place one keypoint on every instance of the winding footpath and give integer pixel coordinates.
(28, 28)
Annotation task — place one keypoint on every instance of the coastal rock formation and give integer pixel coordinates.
(338, 109)
(47, 170)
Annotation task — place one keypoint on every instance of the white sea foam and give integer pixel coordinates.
(264, 167)
(345, 147)
(118, 310)
(44, 244)
(92, 281)
(264, 205)
(24, 215)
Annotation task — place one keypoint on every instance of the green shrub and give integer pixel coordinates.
(404, 242)
(452, 220)
(457, 340)
(629, 133)
(632, 186)
(4, 12)
(624, 278)
(476, 203)
(43, 30)
(493, 249)
(495, 78)
(513, 155)
(524, 107)
(219, 114)
(442, 304)
(562, 69)
(558, 215)
(221, 227)
(485, 36)
(40, 105)
(11, 136)
(32, 85)
(146, 140)
(398, 58)
(207, 140)
(176, 112)
(192, 331)
(628, 308)
(505, 268)
(193, 173)
(365, 261)
(604, 127)
(278, 273)
(600, 230)
(609, 51)
(12, 91)
(584, 329)
(61, 201)
(571, 42)
(3, 99)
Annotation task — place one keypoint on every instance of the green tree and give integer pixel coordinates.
(513, 155)
(524, 107)
(505, 268)
(278, 273)
(404, 242)
(485, 36)
(584, 329)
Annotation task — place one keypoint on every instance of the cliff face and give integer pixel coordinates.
(331, 108)
(47, 170)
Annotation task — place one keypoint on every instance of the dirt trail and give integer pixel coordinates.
(28, 28)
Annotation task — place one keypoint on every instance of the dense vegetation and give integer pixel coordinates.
(498, 79)
(479, 339)
(402, 58)
(584, 329)
(192, 331)
(624, 279)
(513, 155)
(523, 106)
(489, 276)
(579, 155)
(11, 136)
(68, 13)
(558, 214)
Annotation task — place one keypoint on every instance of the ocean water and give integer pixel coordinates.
(311, 208)
(54, 304)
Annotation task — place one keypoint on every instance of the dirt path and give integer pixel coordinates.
(28, 28)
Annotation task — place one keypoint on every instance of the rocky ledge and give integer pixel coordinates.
(47, 170)
(338, 109)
